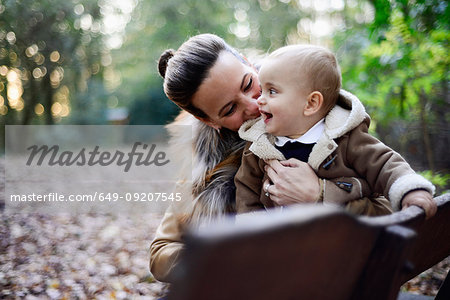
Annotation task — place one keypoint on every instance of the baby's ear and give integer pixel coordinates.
(313, 104)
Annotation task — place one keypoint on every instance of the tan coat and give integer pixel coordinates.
(346, 149)
(167, 245)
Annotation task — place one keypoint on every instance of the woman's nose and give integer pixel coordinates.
(251, 108)
(257, 94)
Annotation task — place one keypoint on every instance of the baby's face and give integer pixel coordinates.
(282, 101)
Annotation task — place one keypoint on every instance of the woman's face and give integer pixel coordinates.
(228, 95)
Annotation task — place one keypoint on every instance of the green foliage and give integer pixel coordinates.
(152, 109)
(441, 181)
(399, 68)
(382, 13)
(402, 65)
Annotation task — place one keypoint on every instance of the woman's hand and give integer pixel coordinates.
(291, 181)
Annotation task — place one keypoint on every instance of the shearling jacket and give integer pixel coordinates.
(345, 149)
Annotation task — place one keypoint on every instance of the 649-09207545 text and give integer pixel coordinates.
(97, 197)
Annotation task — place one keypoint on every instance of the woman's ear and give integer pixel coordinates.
(313, 104)
(208, 122)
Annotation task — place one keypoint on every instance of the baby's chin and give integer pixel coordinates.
(277, 132)
(273, 132)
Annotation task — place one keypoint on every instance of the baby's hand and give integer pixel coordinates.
(422, 199)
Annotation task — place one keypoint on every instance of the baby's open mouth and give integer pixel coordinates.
(266, 116)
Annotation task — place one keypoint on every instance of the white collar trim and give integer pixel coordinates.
(310, 137)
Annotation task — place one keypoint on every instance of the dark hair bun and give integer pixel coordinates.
(163, 60)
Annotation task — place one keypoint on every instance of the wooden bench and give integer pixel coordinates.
(313, 252)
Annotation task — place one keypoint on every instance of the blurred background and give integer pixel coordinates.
(94, 61)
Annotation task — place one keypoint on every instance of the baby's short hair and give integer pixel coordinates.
(317, 67)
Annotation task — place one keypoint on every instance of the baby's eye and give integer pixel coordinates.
(272, 91)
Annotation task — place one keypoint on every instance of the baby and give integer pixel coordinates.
(305, 115)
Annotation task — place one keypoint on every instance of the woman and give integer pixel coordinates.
(218, 87)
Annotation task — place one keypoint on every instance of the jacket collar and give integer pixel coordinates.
(310, 137)
(347, 114)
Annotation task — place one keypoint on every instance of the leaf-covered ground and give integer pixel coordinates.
(69, 257)
(62, 256)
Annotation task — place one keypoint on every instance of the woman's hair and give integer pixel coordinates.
(185, 70)
(318, 68)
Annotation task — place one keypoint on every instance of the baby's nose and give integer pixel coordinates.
(261, 101)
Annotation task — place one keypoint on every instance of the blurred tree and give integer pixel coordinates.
(158, 25)
(50, 51)
(58, 57)
(152, 109)
(402, 73)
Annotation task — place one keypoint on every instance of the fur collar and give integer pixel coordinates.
(215, 160)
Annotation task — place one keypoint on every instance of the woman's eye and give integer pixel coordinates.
(230, 111)
(249, 85)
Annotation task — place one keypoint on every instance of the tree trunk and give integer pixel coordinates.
(32, 95)
(48, 99)
(425, 132)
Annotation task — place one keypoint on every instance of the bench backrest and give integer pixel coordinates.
(310, 252)
(430, 246)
